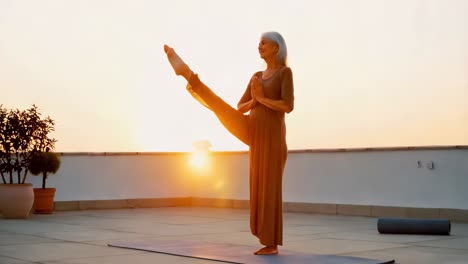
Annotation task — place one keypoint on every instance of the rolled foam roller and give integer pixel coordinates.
(413, 226)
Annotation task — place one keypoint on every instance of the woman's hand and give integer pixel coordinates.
(258, 95)
(256, 89)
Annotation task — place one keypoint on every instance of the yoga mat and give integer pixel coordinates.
(413, 226)
(231, 253)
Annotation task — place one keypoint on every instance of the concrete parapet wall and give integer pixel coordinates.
(427, 181)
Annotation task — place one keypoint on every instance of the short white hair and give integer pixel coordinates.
(282, 55)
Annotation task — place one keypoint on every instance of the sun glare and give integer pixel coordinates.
(201, 155)
(199, 159)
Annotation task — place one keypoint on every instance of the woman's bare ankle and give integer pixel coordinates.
(188, 75)
(179, 66)
(268, 250)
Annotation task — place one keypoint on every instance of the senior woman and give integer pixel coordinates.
(269, 95)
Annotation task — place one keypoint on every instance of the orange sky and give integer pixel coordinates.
(367, 73)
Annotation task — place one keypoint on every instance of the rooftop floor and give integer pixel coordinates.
(82, 236)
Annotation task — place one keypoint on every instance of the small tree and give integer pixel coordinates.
(45, 163)
(4, 146)
(22, 133)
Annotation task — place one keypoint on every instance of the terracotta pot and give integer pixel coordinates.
(44, 200)
(16, 200)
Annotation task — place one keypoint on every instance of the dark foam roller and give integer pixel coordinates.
(413, 226)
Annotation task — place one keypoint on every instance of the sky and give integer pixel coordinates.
(368, 73)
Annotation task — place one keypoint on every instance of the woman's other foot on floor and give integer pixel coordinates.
(269, 250)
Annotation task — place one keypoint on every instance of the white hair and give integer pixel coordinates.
(282, 55)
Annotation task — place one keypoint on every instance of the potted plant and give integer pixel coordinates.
(43, 163)
(22, 133)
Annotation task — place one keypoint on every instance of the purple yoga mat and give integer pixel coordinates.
(231, 253)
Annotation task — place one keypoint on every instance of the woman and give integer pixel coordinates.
(269, 95)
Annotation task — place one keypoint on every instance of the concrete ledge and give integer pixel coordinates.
(458, 215)
(328, 150)
(316, 208)
(158, 202)
(212, 202)
(406, 212)
(454, 214)
(388, 211)
(357, 210)
(241, 204)
(121, 204)
(103, 204)
(428, 213)
(67, 206)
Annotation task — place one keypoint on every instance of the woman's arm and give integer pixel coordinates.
(286, 104)
(246, 106)
(247, 101)
(277, 105)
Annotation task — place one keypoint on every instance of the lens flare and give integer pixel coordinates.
(199, 159)
(201, 155)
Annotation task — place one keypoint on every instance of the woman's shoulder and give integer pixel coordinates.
(258, 73)
(285, 70)
(281, 71)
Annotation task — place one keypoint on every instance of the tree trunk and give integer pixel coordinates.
(19, 176)
(44, 178)
(3, 178)
(24, 176)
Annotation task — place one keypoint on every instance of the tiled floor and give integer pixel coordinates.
(82, 236)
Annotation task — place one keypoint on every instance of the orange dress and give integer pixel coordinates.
(264, 130)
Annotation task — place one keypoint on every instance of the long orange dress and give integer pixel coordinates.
(264, 131)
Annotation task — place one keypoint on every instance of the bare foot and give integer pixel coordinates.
(179, 66)
(270, 250)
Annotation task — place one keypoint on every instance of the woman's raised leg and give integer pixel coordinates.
(232, 119)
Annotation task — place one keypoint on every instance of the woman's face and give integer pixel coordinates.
(267, 48)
